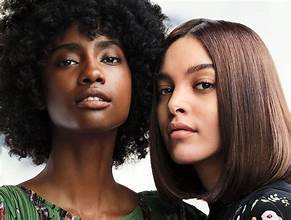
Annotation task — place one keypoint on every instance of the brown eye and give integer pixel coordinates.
(165, 91)
(66, 63)
(204, 85)
(111, 60)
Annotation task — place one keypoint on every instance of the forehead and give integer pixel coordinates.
(185, 53)
(73, 35)
(184, 50)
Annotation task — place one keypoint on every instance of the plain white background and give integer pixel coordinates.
(270, 19)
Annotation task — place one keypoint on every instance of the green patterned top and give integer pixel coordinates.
(18, 203)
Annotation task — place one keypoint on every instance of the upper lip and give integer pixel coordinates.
(93, 92)
(174, 126)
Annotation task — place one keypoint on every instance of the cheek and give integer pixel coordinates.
(60, 109)
(213, 115)
(125, 101)
(213, 127)
(126, 90)
(123, 91)
(56, 94)
(217, 134)
(57, 85)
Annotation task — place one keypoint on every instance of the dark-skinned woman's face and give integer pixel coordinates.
(87, 83)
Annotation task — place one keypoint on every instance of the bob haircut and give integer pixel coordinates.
(254, 119)
(28, 30)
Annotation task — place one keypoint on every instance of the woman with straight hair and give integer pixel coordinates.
(221, 126)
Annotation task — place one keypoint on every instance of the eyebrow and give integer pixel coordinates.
(163, 76)
(68, 46)
(190, 70)
(199, 67)
(99, 44)
(107, 43)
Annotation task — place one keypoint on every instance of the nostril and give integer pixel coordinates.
(99, 80)
(86, 80)
(94, 79)
(181, 110)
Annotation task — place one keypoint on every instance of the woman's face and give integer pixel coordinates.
(187, 107)
(87, 83)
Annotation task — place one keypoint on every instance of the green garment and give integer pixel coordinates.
(18, 203)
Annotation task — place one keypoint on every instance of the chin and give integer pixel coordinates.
(183, 159)
(186, 156)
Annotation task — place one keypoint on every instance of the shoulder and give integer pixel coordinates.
(13, 202)
(269, 202)
(159, 210)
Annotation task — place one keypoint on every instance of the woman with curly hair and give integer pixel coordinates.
(76, 86)
(221, 126)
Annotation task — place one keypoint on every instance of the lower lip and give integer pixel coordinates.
(93, 105)
(181, 134)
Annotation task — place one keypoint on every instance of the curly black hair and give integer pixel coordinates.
(28, 29)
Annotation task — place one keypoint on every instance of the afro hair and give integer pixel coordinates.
(28, 29)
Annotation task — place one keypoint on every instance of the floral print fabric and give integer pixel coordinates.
(272, 202)
(18, 203)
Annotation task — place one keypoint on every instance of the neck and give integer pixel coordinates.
(79, 172)
(82, 157)
(209, 171)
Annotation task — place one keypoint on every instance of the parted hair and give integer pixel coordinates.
(254, 119)
(28, 30)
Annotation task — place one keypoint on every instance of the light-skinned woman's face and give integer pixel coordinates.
(187, 106)
(87, 83)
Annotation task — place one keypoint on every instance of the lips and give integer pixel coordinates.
(93, 99)
(180, 130)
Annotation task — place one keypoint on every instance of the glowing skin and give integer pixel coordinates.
(83, 83)
(87, 87)
(187, 106)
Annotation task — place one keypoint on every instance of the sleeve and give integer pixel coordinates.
(5, 208)
(160, 210)
(267, 207)
(15, 205)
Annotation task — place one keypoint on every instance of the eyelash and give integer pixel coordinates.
(165, 91)
(205, 86)
(111, 60)
(66, 63)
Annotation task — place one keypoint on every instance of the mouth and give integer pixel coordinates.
(93, 99)
(180, 130)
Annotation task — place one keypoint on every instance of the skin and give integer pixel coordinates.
(78, 176)
(187, 108)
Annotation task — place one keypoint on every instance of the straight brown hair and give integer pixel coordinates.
(254, 119)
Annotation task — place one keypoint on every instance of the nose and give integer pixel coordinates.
(91, 73)
(177, 103)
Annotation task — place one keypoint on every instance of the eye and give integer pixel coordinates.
(111, 60)
(66, 63)
(165, 91)
(204, 85)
